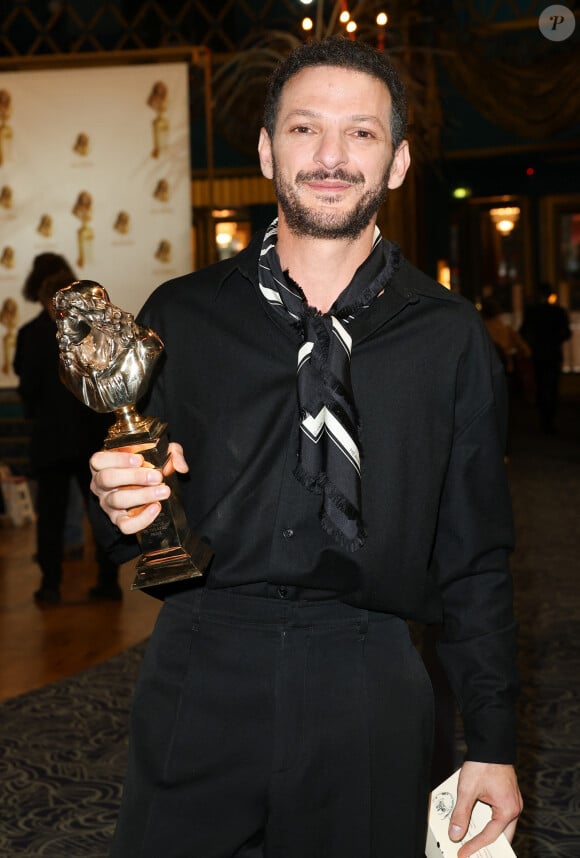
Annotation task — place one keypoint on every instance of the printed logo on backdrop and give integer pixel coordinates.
(108, 185)
(6, 132)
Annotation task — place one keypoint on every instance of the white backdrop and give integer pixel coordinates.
(75, 136)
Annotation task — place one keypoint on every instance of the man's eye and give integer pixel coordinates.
(363, 133)
(301, 129)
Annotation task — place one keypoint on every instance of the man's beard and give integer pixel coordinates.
(304, 221)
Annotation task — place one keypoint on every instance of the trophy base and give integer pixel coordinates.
(168, 565)
(170, 551)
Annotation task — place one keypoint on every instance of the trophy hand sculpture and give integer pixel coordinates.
(107, 360)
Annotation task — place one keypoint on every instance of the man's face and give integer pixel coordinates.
(331, 158)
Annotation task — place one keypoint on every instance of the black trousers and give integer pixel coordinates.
(279, 728)
(53, 486)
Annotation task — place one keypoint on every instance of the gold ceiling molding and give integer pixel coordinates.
(231, 192)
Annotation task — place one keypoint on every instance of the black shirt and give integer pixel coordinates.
(430, 393)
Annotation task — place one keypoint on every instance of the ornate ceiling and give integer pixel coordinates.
(490, 51)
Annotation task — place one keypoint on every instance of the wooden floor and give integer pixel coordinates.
(39, 645)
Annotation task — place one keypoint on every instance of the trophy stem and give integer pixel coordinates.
(129, 422)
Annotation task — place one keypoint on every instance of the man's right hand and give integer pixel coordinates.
(129, 490)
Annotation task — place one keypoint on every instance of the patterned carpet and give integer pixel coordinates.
(62, 763)
(63, 748)
(545, 479)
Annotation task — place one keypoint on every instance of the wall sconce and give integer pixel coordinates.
(505, 218)
(224, 234)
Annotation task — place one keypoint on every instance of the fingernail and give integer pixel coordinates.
(162, 491)
(153, 476)
(455, 830)
(135, 461)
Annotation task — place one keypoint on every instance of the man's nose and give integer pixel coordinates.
(331, 150)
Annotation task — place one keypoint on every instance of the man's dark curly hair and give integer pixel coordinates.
(343, 53)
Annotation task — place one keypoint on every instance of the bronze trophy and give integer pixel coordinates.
(107, 360)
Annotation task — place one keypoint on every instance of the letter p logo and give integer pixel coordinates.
(557, 23)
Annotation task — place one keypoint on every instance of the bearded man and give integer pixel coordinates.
(339, 416)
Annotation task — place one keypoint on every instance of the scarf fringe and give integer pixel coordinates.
(319, 484)
(351, 545)
(369, 294)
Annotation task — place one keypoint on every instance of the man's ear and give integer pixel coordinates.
(265, 153)
(400, 165)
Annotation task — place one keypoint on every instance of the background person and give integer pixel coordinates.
(545, 327)
(513, 352)
(64, 431)
(44, 265)
(509, 343)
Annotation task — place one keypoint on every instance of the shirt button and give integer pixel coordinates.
(288, 533)
(283, 592)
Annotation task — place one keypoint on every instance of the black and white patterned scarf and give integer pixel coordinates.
(329, 457)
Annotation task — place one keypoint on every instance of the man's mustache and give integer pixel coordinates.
(339, 175)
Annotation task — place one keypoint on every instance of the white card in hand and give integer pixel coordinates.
(441, 805)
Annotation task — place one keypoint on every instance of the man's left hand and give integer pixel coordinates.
(497, 786)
